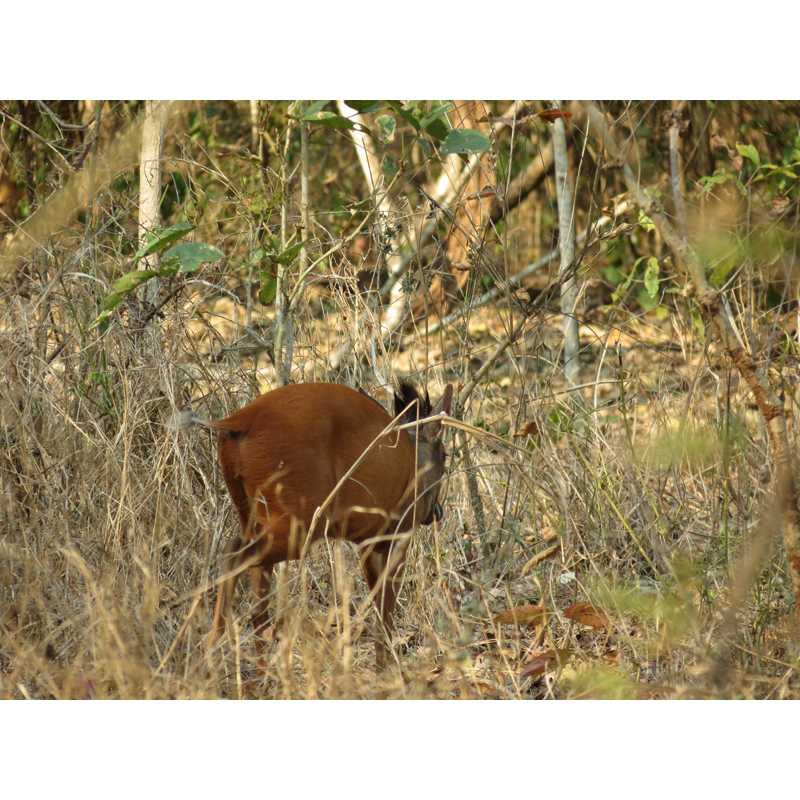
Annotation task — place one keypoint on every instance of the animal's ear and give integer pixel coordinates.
(445, 403)
(408, 400)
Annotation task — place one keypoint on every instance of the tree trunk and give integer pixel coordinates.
(566, 246)
(155, 126)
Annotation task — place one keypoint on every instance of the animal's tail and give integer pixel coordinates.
(186, 419)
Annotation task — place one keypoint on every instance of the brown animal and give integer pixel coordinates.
(293, 451)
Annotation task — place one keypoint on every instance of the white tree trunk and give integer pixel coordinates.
(371, 167)
(155, 126)
(566, 244)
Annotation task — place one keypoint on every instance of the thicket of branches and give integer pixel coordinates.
(612, 288)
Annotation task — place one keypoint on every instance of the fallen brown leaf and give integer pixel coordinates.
(587, 614)
(523, 616)
(550, 552)
(548, 533)
(540, 664)
(528, 429)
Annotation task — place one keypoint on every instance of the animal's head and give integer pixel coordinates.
(427, 441)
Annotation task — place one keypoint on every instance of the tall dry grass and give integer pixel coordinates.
(647, 496)
(113, 522)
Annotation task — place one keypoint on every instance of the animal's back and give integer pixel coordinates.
(285, 452)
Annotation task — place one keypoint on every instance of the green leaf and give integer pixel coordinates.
(162, 239)
(330, 120)
(426, 148)
(100, 320)
(192, 254)
(645, 222)
(439, 129)
(651, 277)
(699, 325)
(133, 279)
(274, 244)
(748, 151)
(275, 254)
(112, 301)
(389, 166)
(364, 106)
(169, 266)
(288, 255)
(312, 109)
(613, 275)
(710, 181)
(467, 141)
(431, 123)
(625, 286)
(269, 287)
(773, 170)
(720, 274)
(645, 301)
(185, 257)
(386, 127)
(261, 205)
(413, 119)
(435, 125)
(438, 112)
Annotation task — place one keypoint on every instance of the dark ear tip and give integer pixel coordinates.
(447, 398)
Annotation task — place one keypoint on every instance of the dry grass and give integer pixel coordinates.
(647, 496)
(113, 522)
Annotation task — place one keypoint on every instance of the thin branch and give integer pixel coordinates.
(60, 122)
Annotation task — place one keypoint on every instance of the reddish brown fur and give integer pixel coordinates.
(284, 453)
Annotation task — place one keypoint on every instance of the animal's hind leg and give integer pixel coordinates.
(260, 575)
(383, 567)
(231, 561)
